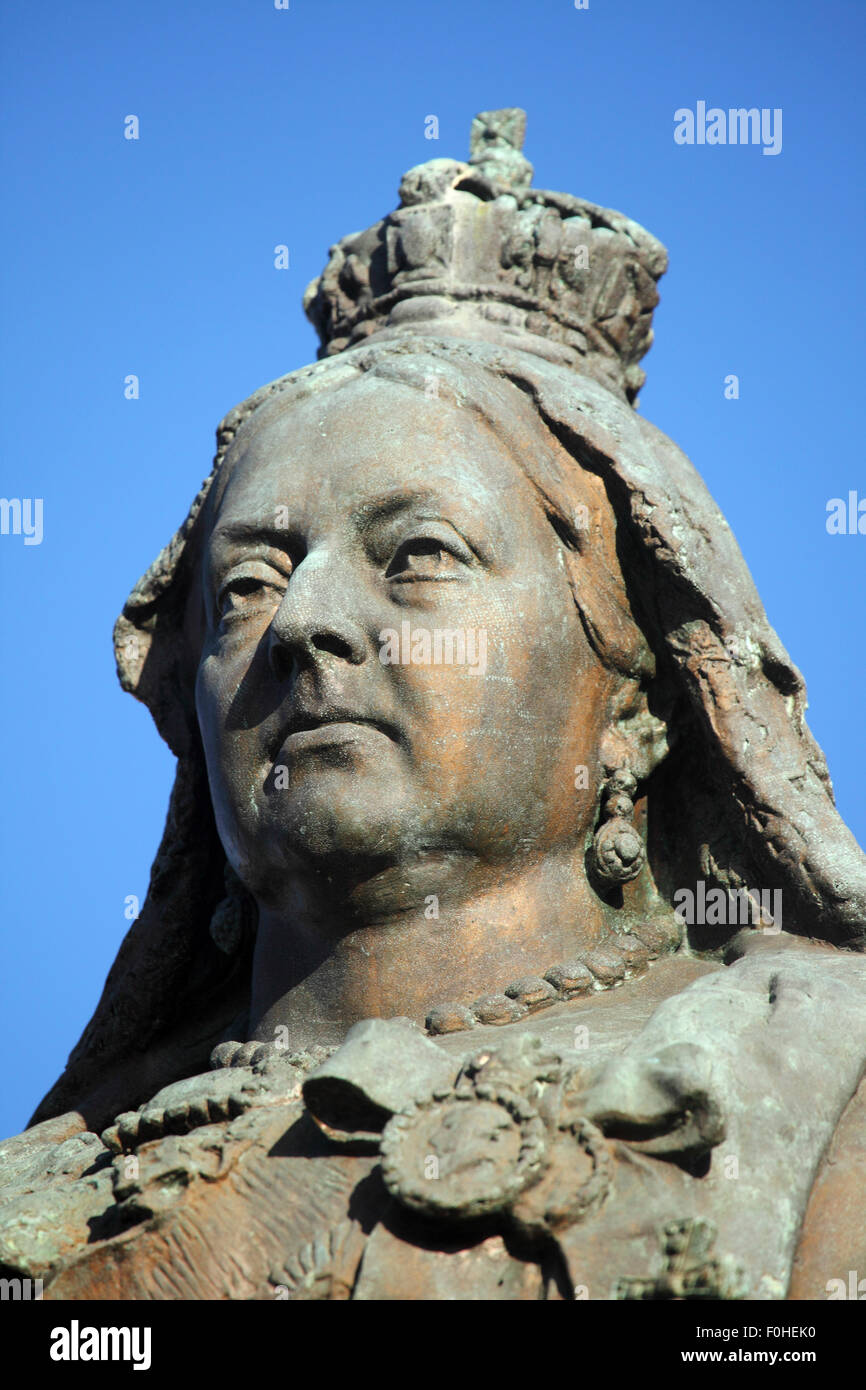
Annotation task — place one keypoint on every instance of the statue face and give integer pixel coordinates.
(393, 669)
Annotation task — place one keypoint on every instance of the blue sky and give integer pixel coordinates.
(156, 257)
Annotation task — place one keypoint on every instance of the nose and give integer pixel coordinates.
(314, 619)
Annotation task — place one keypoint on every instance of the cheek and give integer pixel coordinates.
(538, 695)
(542, 653)
(209, 702)
(225, 688)
(211, 723)
(216, 686)
(229, 761)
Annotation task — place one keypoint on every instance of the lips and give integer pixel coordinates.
(310, 722)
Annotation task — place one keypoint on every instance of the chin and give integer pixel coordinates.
(342, 831)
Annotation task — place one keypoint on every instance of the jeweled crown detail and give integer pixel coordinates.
(475, 251)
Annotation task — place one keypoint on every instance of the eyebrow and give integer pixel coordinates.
(392, 504)
(367, 514)
(277, 536)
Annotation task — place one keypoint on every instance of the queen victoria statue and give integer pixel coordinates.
(504, 941)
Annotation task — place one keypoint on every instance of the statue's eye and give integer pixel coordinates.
(424, 557)
(233, 594)
(251, 588)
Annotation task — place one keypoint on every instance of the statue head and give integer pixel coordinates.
(445, 606)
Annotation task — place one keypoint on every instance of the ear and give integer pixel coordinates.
(635, 738)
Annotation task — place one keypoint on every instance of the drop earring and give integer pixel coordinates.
(617, 855)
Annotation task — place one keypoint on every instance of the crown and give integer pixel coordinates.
(475, 251)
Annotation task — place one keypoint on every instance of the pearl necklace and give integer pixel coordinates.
(607, 965)
(618, 958)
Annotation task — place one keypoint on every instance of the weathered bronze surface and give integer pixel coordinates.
(504, 941)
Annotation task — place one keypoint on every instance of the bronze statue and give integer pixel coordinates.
(504, 940)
